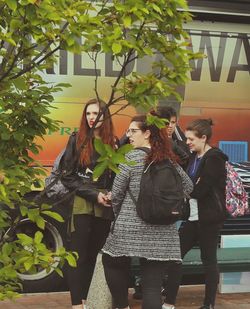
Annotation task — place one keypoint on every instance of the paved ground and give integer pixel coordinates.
(189, 298)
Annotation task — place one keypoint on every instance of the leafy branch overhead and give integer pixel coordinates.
(109, 158)
(32, 32)
(148, 30)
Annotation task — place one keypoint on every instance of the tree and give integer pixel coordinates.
(32, 31)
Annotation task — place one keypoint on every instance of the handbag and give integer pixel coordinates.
(54, 187)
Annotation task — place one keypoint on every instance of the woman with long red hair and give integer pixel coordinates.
(157, 246)
(92, 212)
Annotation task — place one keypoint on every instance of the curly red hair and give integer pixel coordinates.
(106, 132)
(161, 147)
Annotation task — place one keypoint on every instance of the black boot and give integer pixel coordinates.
(207, 307)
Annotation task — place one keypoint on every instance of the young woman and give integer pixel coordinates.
(175, 134)
(92, 213)
(157, 246)
(207, 211)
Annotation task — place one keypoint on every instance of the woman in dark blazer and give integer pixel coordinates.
(92, 213)
(207, 208)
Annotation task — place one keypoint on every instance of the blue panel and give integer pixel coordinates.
(236, 151)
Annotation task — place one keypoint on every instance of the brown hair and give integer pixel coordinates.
(106, 132)
(161, 147)
(201, 127)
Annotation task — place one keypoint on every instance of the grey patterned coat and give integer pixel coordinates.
(132, 236)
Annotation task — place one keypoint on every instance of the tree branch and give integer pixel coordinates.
(10, 51)
(94, 59)
(13, 62)
(33, 62)
(31, 66)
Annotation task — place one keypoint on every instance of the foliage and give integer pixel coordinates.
(31, 32)
(109, 158)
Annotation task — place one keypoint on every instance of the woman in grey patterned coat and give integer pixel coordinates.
(157, 246)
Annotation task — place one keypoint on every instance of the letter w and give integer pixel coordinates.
(206, 44)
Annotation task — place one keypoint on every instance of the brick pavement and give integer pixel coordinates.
(189, 298)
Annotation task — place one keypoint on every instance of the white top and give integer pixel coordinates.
(193, 210)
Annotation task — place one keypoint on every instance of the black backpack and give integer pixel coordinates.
(161, 196)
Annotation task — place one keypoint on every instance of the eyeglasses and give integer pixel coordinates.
(132, 131)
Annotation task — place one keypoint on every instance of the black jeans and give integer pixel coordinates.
(87, 240)
(207, 237)
(117, 273)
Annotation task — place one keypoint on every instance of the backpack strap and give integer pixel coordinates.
(145, 149)
(132, 197)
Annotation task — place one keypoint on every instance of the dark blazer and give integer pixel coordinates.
(79, 177)
(209, 186)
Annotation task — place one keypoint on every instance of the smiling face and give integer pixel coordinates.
(195, 143)
(137, 137)
(92, 112)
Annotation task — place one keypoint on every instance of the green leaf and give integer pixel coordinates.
(71, 40)
(159, 122)
(20, 83)
(18, 136)
(10, 40)
(156, 8)
(71, 260)
(99, 146)
(40, 222)
(5, 136)
(114, 167)
(116, 48)
(28, 264)
(60, 273)
(99, 169)
(64, 85)
(23, 210)
(53, 16)
(141, 88)
(170, 12)
(125, 149)
(110, 151)
(118, 158)
(25, 239)
(182, 3)
(7, 249)
(12, 4)
(127, 21)
(3, 191)
(33, 214)
(38, 237)
(53, 215)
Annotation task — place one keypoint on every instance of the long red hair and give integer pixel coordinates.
(161, 147)
(106, 132)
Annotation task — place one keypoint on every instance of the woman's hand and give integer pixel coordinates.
(104, 199)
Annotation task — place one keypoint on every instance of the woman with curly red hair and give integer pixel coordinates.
(92, 213)
(157, 246)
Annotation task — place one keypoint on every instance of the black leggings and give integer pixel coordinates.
(87, 240)
(207, 238)
(117, 273)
